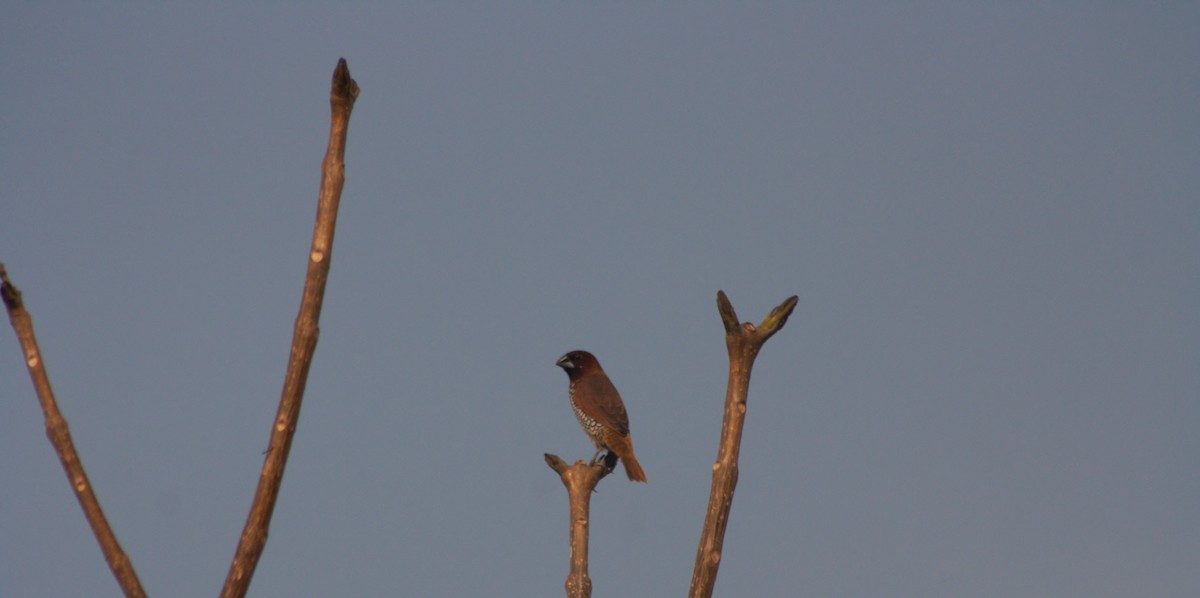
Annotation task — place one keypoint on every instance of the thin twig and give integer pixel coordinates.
(304, 340)
(743, 341)
(60, 436)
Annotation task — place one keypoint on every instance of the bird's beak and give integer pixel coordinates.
(564, 363)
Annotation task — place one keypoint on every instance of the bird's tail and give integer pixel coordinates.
(623, 447)
(633, 469)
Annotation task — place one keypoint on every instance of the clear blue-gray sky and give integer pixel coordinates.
(990, 213)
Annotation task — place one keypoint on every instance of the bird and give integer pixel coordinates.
(598, 407)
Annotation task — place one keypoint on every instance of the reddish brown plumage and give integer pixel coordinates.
(600, 411)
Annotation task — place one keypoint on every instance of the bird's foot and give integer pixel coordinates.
(608, 459)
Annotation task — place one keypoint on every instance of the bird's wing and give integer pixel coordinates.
(606, 406)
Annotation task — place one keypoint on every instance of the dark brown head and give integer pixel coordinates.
(578, 364)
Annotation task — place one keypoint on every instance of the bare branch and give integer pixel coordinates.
(342, 95)
(580, 480)
(743, 341)
(60, 436)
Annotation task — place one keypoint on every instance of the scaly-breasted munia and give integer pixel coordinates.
(598, 406)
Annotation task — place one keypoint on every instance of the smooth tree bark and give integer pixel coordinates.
(743, 341)
(580, 480)
(343, 92)
(60, 436)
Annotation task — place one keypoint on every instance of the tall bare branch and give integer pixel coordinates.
(743, 341)
(60, 436)
(342, 95)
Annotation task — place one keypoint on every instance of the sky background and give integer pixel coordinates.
(990, 213)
